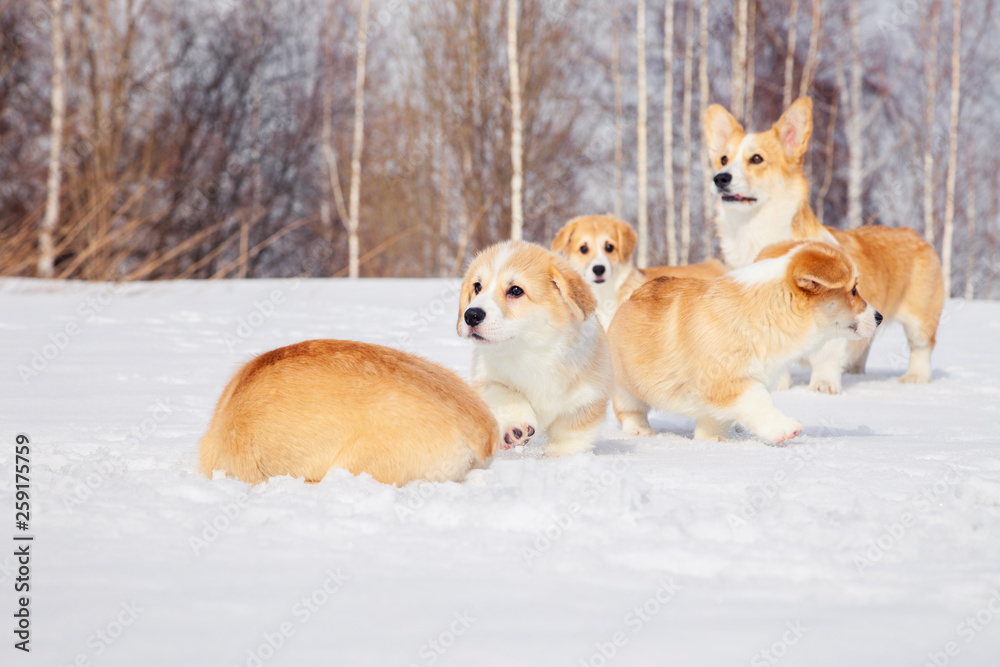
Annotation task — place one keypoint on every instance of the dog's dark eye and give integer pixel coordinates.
(724, 160)
(756, 159)
(477, 287)
(854, 292)
(608, 247)
(584, 249)
(515, 291)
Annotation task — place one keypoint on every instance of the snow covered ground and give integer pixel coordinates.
(873, 539)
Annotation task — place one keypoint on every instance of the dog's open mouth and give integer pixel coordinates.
(738, 198)
(475, 336)
(598, 279)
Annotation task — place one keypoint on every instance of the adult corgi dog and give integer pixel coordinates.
(541, 358)
(710, 349)
(303, 409)
(600, 248)
(764, 199)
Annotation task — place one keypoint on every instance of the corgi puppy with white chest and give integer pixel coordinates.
(764, 199)
(710, 349)
(541, 359)
(600, 248)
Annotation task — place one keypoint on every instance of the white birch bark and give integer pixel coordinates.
(855, 173)
(739, 61)
(642, 252)
(685, 254)
(668, 132)
(786, 95)
(949, 191)
(930, 81)
(46, 242)
(354, 204)
(516, 148)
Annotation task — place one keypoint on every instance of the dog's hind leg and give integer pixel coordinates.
(576, 432)
(857, 356)
(632, 413)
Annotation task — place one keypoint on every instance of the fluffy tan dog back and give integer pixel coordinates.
(303, 409)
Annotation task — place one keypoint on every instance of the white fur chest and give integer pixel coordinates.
(549, 377)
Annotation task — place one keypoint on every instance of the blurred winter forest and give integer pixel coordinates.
(159, 139)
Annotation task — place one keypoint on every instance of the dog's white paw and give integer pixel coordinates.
(825, 386)
(634, 424)
(515, 435)
(782, 430)
(915, 378)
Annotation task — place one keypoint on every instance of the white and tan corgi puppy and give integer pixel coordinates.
(600, 248)
(306, 408)
(764, 199)
(541, 358)
(710, 349)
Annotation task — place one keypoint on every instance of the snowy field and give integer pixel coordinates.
(873, 539)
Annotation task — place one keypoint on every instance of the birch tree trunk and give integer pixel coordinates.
(793, 13)
(642, 259)
(707, 217)
(855, 174)
(809, 70)
(739, 64)
(619, 123)
(256, 179)
(359, 138)
(831, 131)
(326, 139)
(668, 131)
(516, 150)
(815, 31)
(930, 81)
(46, 243)
(949, 192)
(971, 248)
(685, 253)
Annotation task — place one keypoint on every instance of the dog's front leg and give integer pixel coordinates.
(517, 419)
(756, 410)
(828, 366)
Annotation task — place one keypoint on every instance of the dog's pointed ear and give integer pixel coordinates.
(626, 239)
(794, 128)
(719, 127)
(563, 238)
(818, 267)
(573, 289)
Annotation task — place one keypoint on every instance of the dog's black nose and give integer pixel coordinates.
(878, 318)
(722, 179)
(474, 316)
(599, 270)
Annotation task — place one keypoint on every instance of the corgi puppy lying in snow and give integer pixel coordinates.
(541, 358)
(709, 349)
(764, 199)
(303, 409)
(600, 248)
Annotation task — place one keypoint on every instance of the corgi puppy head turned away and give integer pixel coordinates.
(600, 247)
(763, 199)
(711, 349)
(541, 358)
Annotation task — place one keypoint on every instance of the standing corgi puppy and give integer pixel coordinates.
(600, 248)
(709, 349)
(764, 199)
(541, 358)
(305, 408)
